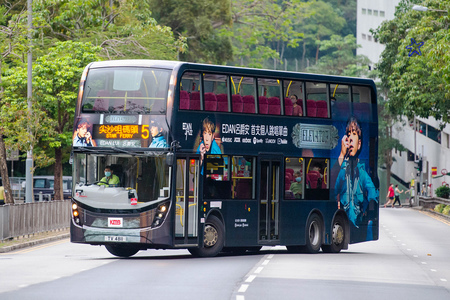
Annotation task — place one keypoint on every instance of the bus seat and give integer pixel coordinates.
(288, 107)
(222, 102)
(101, 103)
(322, 110)
(249, 104)
(194, 104)
(290, 173)
(118, 100)
(312, 179)
(274, 106)
(236, 101)
(134, 101)
(210, 102)
(263, 105)
(287, 182)
(311, 108)
(184, 100)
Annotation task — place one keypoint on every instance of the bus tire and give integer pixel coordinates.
(314, 233)
(121, 250)
(337, 236)
(213, 239)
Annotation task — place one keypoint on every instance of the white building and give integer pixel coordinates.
(428, 142)
(370, 14)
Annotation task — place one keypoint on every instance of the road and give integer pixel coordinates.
(411, 260)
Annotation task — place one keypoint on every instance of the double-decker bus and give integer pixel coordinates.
(217, 158)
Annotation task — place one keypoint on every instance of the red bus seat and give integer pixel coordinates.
(263, 105)
(274, 106)
(322, 109)
(184, 100)
(222, 102)
(236, 101)
(210, 102)
(311, 108)
(101, 104)
(194, 104)
(249, 104)
(288, 107)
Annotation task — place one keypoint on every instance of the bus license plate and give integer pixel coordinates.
(109, 238)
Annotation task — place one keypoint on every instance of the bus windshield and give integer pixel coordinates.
(126, 91)
(147, 176)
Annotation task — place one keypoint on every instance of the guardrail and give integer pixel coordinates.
(30, 218)
(431, 202)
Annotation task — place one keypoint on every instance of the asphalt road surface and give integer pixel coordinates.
(411, 260)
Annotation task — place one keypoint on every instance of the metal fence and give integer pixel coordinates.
(29, 218)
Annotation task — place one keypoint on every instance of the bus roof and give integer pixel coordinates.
(182, 66)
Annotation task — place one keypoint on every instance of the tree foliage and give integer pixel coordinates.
(418, 84)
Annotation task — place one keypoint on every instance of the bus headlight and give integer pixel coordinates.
(76, 213)
(160, 214)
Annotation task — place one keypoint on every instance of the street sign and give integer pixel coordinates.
(444, 171)
(433, 171)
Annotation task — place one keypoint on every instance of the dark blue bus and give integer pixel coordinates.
(172, 155)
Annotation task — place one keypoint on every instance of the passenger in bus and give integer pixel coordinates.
(82, 136)
(354, 187)
(158, 138)
(298, 109)
(208, 144)
(297, 186)
(110, 179)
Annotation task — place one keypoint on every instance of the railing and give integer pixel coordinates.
(431, 202)
(30, 218)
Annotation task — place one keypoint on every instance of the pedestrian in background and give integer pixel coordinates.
(397, 193)
(390, 195)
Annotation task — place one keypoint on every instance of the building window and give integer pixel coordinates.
(382, 13)
(364, 11)
(375, 13)
(369, 37)
(363, 36)
(369, 12)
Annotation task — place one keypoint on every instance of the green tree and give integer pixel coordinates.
(341, 59)
(418, 84)
(55, 80)
(200, 22)
(12, 47)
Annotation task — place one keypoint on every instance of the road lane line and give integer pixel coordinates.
(240, 297)
(258, 270)
(250, 278)
(443, 280)
(243, 288)
(265, 262)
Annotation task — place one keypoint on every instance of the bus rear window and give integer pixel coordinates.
(126, 91)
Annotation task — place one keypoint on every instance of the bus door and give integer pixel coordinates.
(269, 199)
(187, 191)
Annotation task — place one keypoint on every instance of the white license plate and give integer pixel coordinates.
(109, 238)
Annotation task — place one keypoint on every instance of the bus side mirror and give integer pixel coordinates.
(170, 159)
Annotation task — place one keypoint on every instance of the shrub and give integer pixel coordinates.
(438, 208)
(443, 191)
(446, 210)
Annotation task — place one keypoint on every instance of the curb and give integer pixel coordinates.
(34, 243)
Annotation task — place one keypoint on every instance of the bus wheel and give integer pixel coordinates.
(122, 250)
(314, 233)
(338, 236)
(213, 239)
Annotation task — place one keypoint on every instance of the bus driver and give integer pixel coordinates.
(110, 179)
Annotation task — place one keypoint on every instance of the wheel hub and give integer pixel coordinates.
(314, 233)
(338, 234)
(210, 236)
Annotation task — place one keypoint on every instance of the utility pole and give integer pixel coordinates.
(29, 162)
